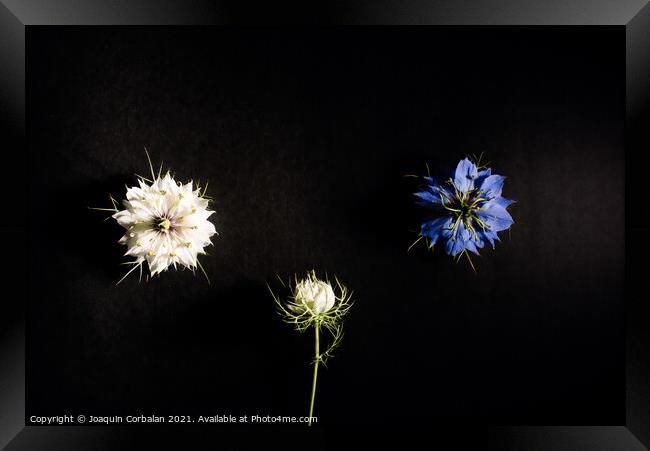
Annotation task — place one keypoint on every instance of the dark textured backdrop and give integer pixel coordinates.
(304, 137)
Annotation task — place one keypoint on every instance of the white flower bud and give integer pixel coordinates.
(313, 295)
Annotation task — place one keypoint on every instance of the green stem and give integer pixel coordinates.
(313, 385)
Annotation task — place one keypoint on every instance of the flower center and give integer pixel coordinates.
(465, 210)
(164, 224)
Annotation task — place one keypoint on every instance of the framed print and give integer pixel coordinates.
(447, 217)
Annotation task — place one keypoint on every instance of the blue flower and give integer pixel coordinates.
(468, 209)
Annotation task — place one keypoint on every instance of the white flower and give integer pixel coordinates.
(166, 224)
(313, 295)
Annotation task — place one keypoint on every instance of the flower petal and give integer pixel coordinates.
(482, 175)
(495, 216)
(433, 230)
(492, 186)
(455, 239)
(489, 236)
(505, 203)
(464, 176)
(427, 199)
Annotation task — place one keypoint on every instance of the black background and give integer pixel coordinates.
(305, 136)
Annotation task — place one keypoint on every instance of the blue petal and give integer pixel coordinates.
(430, 195)
(434, 184)
(454, 247)
(460, 241)
(464, 176)
(464, 233)
(470, 242)
(489, 235)
(427, 199)
(441, 190)
(492, 186)
(482, 175)
(478, 240)
(505, 203)
(433, 230)
(495, 216)
(470, 246)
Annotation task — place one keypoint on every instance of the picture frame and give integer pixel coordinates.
(632, 17)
